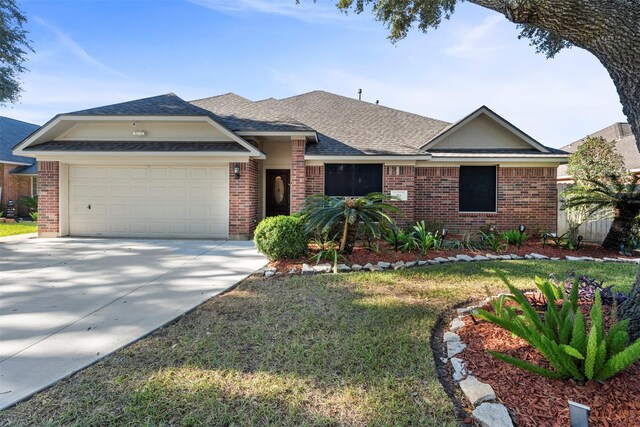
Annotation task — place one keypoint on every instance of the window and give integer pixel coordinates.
(34, 186)
(352, 179)
(477, 189)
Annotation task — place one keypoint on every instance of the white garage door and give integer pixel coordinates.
(148, 201)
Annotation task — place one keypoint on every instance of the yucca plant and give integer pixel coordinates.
(561, 335)
(514, 237)
(323, 213)
(425, 239)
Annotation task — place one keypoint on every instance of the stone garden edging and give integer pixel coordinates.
(308, 270)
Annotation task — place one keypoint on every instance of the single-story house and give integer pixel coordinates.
(621, 134)
(18, 174)
(214, 167)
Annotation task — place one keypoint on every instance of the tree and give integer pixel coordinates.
(607, 29)
(596, 159)
(620, 194)
(343, 215)
(13, 50)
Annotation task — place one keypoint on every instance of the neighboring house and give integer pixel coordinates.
(214, 167)
(625, 145)
(18, 174)
(596, 231)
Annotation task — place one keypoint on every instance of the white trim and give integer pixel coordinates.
(50, 153)
(309, 134)
(501, 121)
(167, 159)
(557, 159)
(6, 162)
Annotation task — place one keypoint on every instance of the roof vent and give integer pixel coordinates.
(359, 94)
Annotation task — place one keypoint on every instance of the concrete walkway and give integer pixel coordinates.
(66, 303)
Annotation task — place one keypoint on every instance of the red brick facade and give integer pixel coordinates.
(526, 195)
(298, 181)
(402, 178)
(48, 199)
(243, 200)
(314, 179)
(13, 187)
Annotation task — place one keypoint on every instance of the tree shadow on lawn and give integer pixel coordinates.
(326, 350)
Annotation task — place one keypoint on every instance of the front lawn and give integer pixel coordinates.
(348, 349)
(17, 228)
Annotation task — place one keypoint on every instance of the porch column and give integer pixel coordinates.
(298, 181)
(48, 199)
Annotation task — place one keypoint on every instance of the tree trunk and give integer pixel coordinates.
(352, 235)
(621, 230)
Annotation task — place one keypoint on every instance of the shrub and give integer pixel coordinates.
(514, 237)
(324, 213)
(493, 241)
(281, 237)
(561, 336)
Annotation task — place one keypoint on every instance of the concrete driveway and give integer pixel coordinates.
(65, 303)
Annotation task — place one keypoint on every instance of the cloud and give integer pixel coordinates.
(307, 11)
(75, 49)
(479, 40)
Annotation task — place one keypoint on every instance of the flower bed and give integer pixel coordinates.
(386, 253)
(538, 401)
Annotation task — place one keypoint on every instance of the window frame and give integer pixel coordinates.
(354, 165)
(495, 207)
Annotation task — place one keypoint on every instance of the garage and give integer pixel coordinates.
(149, 201)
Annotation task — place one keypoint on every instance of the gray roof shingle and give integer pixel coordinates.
(13, 132)
(161, 105)
(240, 114)
(168, 146)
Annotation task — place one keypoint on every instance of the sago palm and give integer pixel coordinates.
(620, 194)
(323, 214)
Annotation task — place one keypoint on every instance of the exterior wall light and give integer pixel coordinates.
(236, 170)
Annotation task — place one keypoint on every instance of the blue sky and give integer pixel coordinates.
(97, 52)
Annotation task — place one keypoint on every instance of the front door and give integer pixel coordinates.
(277, 193)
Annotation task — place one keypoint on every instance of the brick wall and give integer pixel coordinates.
(526, 195)
(13, 187)
(401, 178)
(48, 199)
(243, 200)
(314, 180)
(298, 180)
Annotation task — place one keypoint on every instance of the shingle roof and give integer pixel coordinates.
(347, 126)
(25, 170)
(168, 146)
(240, 114)
(161, 105)
(11, 133)
(625, 145)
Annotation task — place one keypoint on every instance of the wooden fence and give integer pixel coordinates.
(593, 231)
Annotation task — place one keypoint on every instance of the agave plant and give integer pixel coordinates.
(620, 194)
(325, 214)
(561, 335)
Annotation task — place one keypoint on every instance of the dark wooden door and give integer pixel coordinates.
(277, 193)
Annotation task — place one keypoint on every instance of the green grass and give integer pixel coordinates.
(349, 349)
(17, 228)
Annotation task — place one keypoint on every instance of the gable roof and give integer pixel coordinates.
(12, 132)
(161, 105)
(451, 129)
(626, 146)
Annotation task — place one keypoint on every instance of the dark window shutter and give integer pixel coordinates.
(477, 189)
(347, 179)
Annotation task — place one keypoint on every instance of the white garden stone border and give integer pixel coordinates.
(487, 412)
(401, 265)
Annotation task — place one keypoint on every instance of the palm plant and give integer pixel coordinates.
(622, 195)
(342, 216)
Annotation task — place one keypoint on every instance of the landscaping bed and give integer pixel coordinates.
(348, 349)
(538, 401)
(386, 253)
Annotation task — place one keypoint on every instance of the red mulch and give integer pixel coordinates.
(363, 255)
(538, 401)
